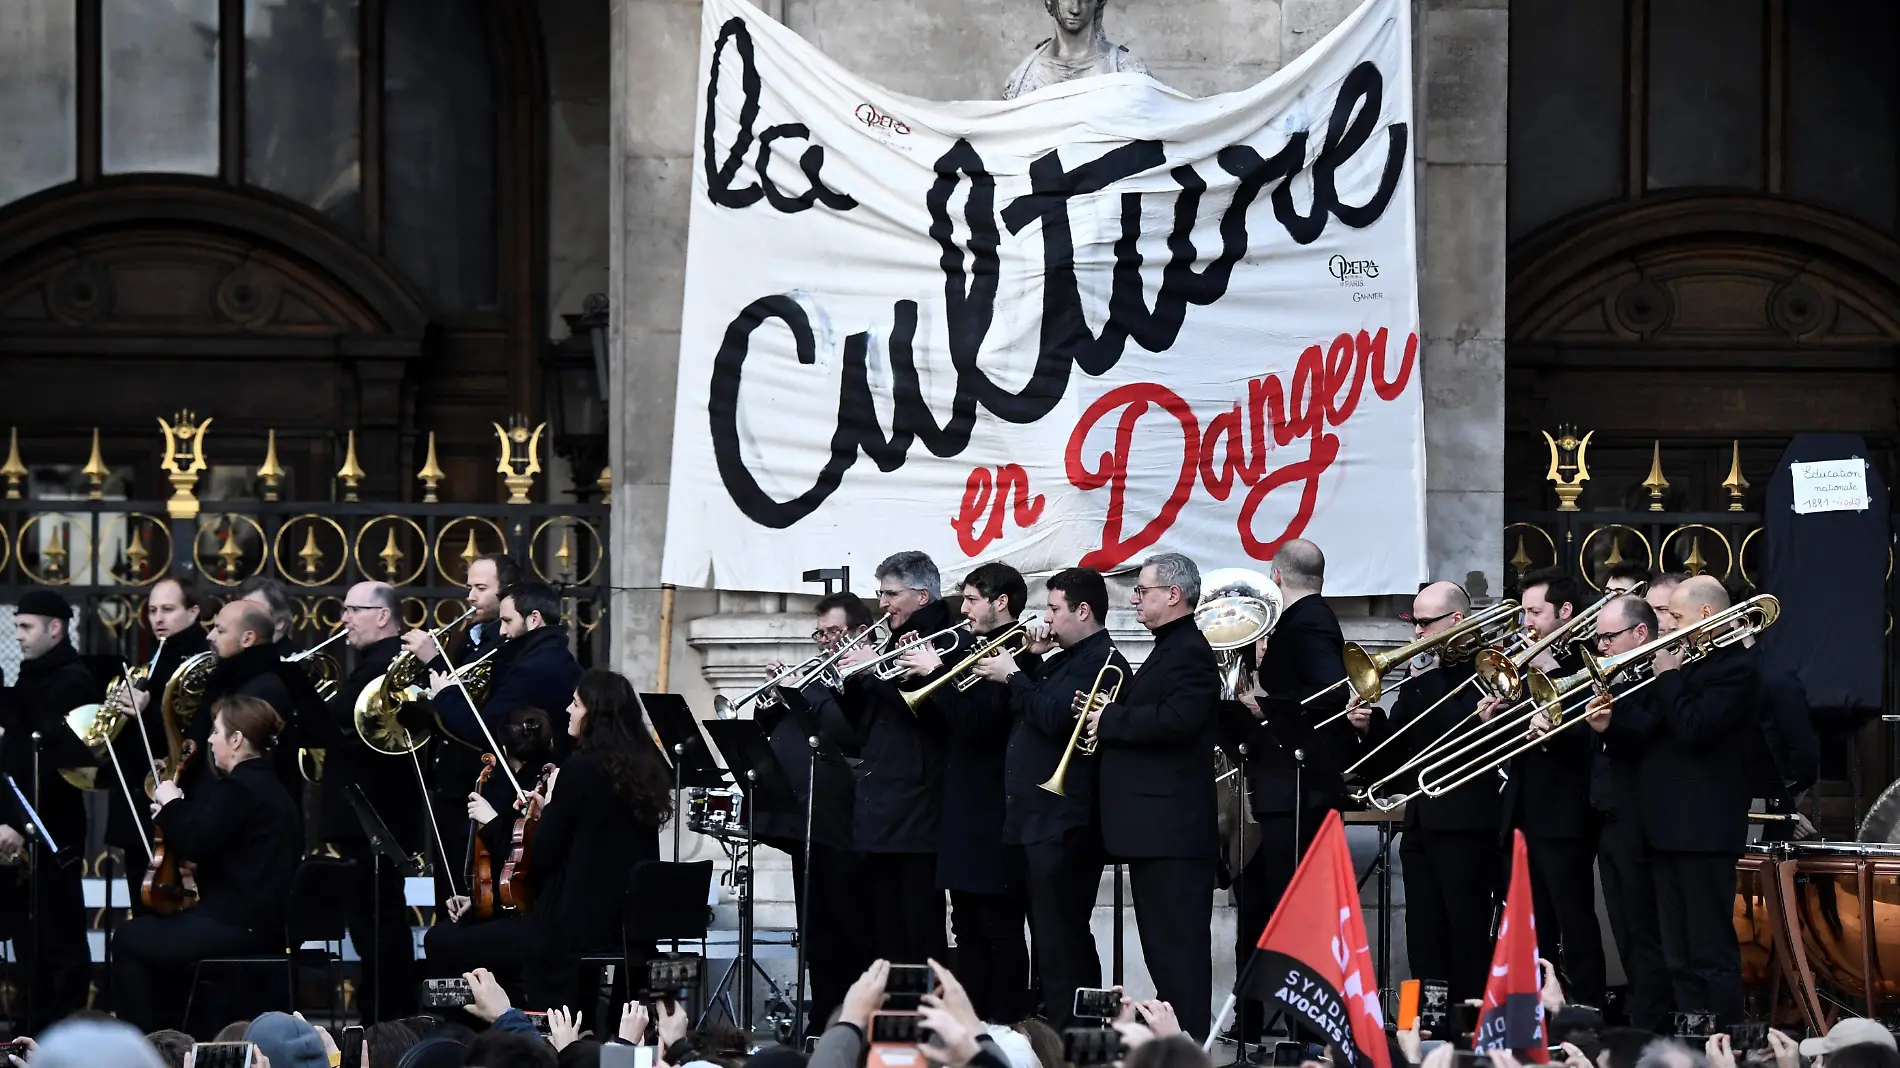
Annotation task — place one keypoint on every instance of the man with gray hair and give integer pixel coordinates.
(894, 813)
(1155, 792)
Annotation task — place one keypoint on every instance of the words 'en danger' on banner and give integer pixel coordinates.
(1100, 321)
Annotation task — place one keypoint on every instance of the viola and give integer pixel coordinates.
(515, 893)
(481, 873)
(169, 887)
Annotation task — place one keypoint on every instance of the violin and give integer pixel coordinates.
(515, 893)
(481, 874)
(169, 888)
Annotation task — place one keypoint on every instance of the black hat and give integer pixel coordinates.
(44, 603)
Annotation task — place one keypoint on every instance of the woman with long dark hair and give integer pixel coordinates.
(600, 814)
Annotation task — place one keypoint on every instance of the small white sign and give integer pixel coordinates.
(1830, 486)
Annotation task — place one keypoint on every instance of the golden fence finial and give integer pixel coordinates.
(271, 472)
(136, 554)
(96, 471)
(13, 469)
(311, 556)
(351, 472)
(431, 473)
(1735, 484)
(185, 433)
(520, 457)
(606, 484)
(1569, 468)
(391, 555)
(1656, 484)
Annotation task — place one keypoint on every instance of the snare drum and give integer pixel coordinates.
(715, 811)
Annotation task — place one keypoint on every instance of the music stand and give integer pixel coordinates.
(381, 844)
(756, 768)
(693, 763)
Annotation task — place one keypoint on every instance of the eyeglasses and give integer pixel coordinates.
(1143, 591)
(885, 594)
(827, 634)
(361, 607)
(1612, 635)
(1426, 621)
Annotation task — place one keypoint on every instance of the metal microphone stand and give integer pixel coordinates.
(804, 891)
(36, 835)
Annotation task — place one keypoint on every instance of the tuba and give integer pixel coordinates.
(1238, 607)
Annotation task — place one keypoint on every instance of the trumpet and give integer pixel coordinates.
(885, 665)
(964, 674)
(1730, 626)
(1098, 697)
(814, 668)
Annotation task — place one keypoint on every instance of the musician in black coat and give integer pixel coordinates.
(983, 875)
(1060, 842)
(821, 779)
(1784, 754)
(52, 682)
(1629, 881)
(239, 828)
(533, 669)
(248, 666)
(1449, 848)
(1290, 795)
(1694, 805)
(392, 790)
(895, 822)
(172, 609)
(1156, 792)
(1547, 796)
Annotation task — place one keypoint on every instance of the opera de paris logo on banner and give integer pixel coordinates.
(1098, 321)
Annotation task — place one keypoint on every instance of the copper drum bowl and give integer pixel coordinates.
(1844, 900)
(1757, 917)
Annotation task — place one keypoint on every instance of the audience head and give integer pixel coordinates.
(232, 1032)
(993, 596)
(1622, 1047)
(500, 1049)
(605, 719)
(371, 613)
(171, 1045)
(1078, 604)
(529, 606)
(240, 625)
(1850, 1033)
(1860, 1055)
(906, 582)
(488, 575)
(1299, 568)
(387, 1042)
(1670, 1053)
(1017, 1050)
(580, 1053)
(90, 1043)
(1045, 1040)
(1175, 1051)
(171, 607)
(1167, 589)
(268, 594)
(287, 1041)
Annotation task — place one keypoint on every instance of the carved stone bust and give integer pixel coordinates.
(1079, 49)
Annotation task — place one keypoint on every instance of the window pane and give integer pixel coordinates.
(37, 130)
(161, 86)
(439, 148)
(1843, 117)
(300, 103)
(1705, 93)
(1566, 108)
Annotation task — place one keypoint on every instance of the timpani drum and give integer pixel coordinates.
(1842, 903)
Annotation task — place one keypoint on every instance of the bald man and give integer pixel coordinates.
(379, 927)
(1694, 804)
(248, 666)
(1449, 848)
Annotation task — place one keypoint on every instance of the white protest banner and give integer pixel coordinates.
(1096, 322)
(1830, 486)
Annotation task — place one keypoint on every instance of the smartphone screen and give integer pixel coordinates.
(1085, 1047)
(349, 1043)
(896, 1028)
(1094, 1003)
(223, 1054)
(1408, 1004)
(907, 983)
(1288, 1054)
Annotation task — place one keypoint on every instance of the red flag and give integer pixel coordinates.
(1512, 1015)
(1313, 958)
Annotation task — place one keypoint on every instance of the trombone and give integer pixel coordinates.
(1730, 626)
(1366, 671)
(1097, 698)
(813, 668)
(964, 672)
(1502, 675)
(885, 665)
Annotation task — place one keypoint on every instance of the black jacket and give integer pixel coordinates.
(584, 851)
(1694, 790)
(535, 670)
(1305, 656)
(786, 732)
(388, 782)
(253, 672)
(124, 823)
(1043, 698)
(1547, 794)
(1473, 807)
(895, 803)
(971, 854)
(1784, 755)
(241, 831)
(48, 688)
(451, 762)
(1156, 791)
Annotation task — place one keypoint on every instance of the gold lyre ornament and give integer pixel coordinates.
(1569, 469)
(519, 468)
(187, 434)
